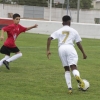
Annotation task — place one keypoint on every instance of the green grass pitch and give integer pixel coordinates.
(34, 77)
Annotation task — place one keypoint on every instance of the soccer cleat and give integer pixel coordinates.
(69, 90)
(6, 63)
(80, 81)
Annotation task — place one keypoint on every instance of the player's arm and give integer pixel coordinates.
(2, 35)
(48, 46)
(28, 28)
(81, 49)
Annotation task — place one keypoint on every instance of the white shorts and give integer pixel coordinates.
(68, 55)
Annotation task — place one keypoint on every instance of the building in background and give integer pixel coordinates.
(96, 4)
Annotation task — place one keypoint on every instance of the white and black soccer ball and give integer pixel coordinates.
(87, 85)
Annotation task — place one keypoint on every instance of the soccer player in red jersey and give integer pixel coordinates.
(9, 46)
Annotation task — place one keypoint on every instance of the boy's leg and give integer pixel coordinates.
(77, 75)
(5, 58)
(4, 50)
(68, 79)
(16, 56)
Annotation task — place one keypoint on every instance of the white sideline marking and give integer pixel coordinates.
(31, 47)
(55, 47)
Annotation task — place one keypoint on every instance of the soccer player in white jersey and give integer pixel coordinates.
(66, 37)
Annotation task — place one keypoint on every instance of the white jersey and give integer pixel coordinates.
(66, 36)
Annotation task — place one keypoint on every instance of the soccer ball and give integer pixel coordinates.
(87, 85)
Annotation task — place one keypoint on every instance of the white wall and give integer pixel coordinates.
(88, 30)
(47, 27)
(86, 16)
(98, 5)
(44, 27)
(7, 8)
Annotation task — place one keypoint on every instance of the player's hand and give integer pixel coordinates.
(84, 56)
(35, 26)
(48, 54)
(1, 38)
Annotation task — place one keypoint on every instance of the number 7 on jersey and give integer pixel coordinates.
(67, 34)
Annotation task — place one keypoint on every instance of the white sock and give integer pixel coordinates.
(5, 58)
(68, 79)
(16, 56)
(76, 72)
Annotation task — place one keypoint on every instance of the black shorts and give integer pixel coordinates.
(6, 50)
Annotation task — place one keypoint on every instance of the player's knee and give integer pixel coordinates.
(73, 67)
(66, 68)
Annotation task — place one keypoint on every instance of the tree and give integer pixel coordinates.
(31, 2)
(84, 4)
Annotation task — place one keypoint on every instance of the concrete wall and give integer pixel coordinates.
(86, 16)
(87, 30)
(47, 27)
(33, 12)
(7, 8)
(98, 5)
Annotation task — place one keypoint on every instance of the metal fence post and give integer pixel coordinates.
(50, 10)
(78, 8)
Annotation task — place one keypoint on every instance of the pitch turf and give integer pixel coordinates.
(34, 77)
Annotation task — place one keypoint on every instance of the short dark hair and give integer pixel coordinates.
(66, 18)
(16, 15)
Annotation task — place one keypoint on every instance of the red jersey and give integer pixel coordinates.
(13, 31)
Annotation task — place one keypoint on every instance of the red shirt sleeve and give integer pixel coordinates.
(22, 29)
(7, 28)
